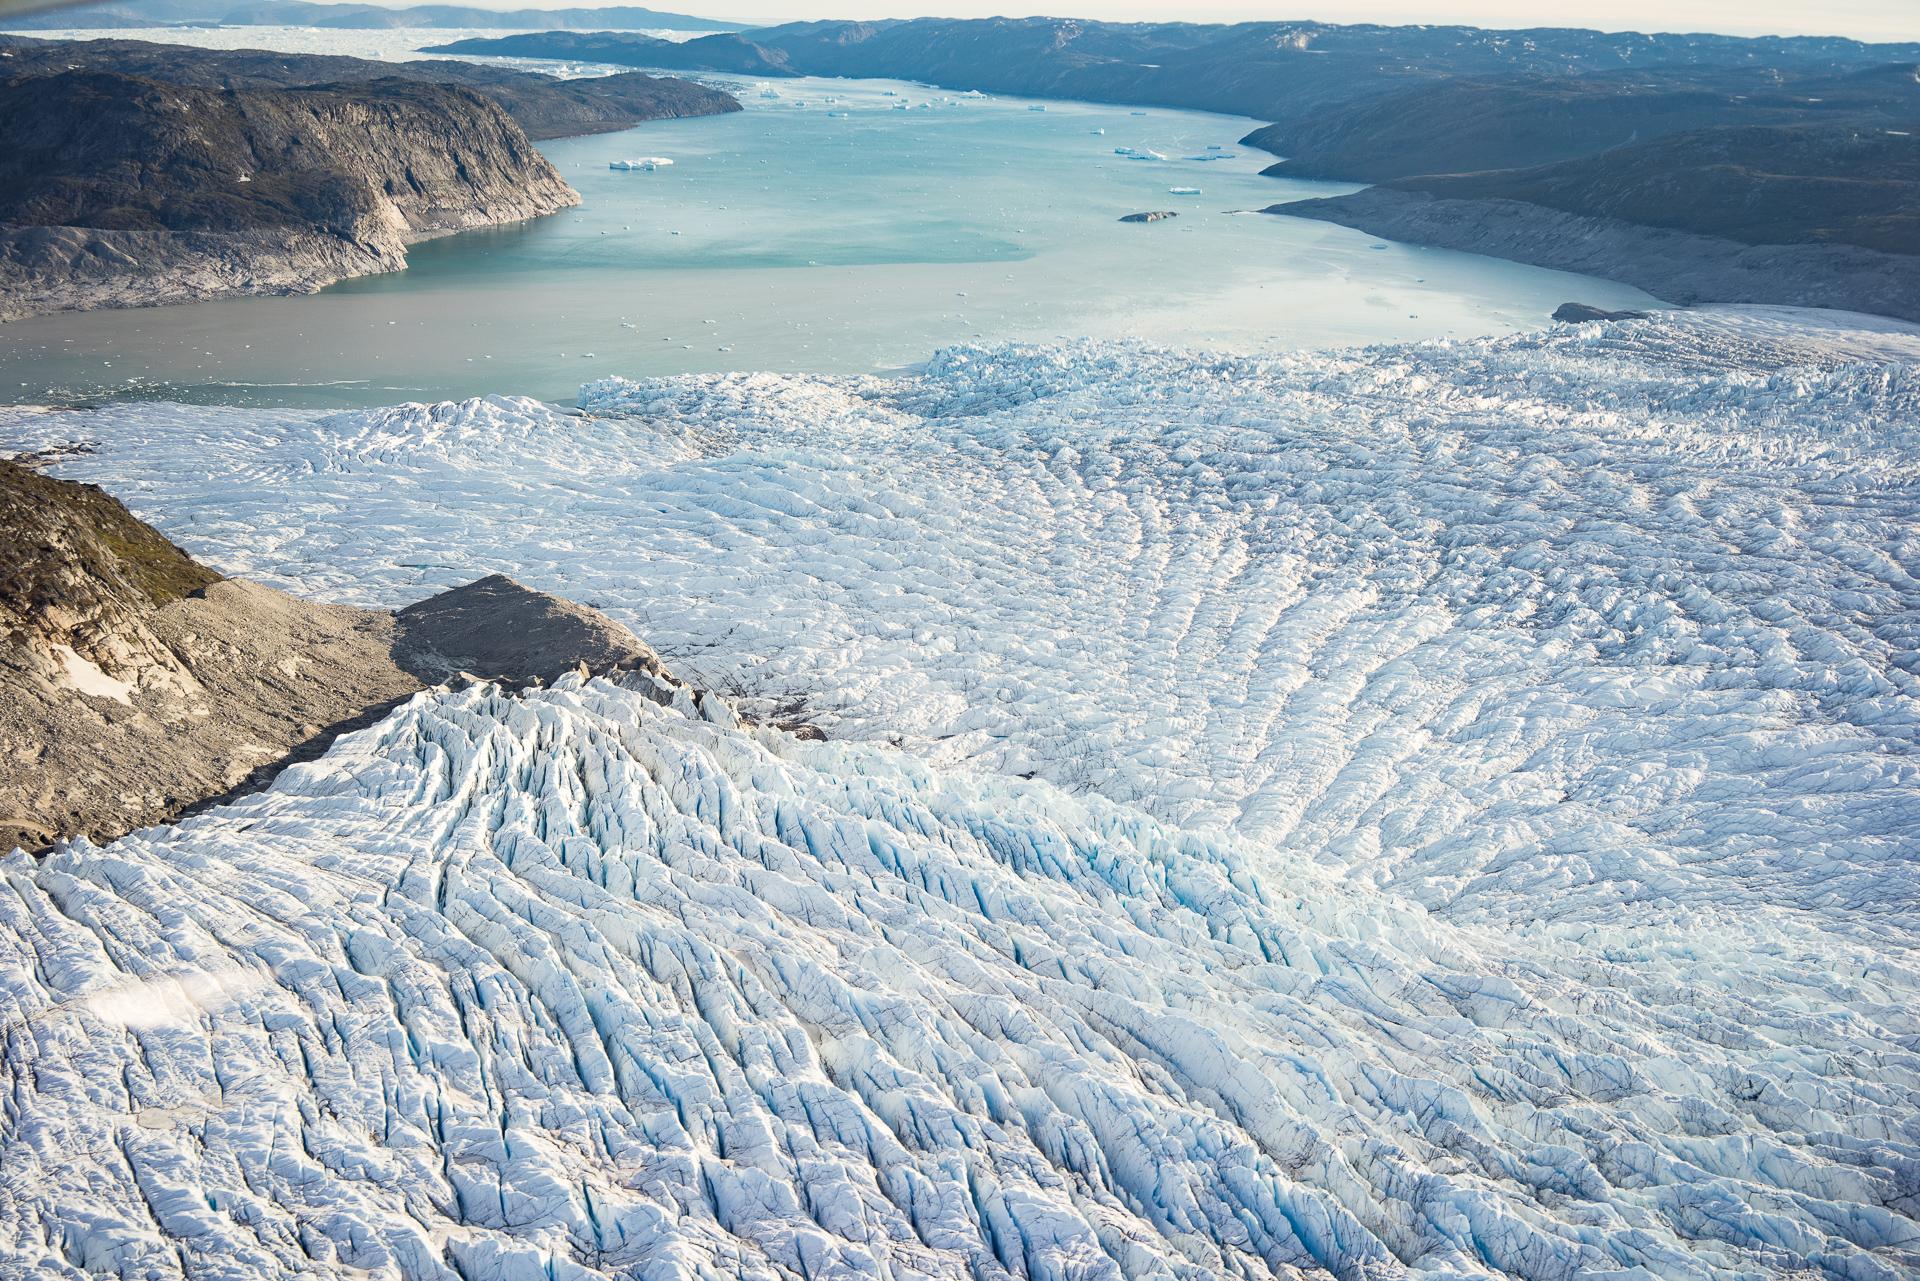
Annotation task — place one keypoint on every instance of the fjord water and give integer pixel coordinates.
(835, 226)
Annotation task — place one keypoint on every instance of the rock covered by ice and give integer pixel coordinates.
(571, 984)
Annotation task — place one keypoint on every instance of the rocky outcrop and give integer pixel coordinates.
(1579, 313)
(136, 683)
(116, 191)
(1153, 216)
(1677, 266)
(495, 629)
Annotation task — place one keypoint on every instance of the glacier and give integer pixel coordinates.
(1445, 810)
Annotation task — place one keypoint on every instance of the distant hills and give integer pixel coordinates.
(1668, 132)
(300, 13)
(1286, 72)
(1562, 147)
(1817, 184)
(1473, 124)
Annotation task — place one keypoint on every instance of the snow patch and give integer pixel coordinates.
(87, 677)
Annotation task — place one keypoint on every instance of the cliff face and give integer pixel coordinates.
(117, 191)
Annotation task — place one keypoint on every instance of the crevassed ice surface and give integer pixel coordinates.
(571, 985)
(1474, 833)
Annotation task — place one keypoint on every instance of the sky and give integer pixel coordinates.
(1862, 19)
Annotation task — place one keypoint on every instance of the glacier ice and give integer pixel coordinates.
(572, 985)
(1446, 810)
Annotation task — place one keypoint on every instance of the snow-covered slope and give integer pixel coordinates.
(1488, 839)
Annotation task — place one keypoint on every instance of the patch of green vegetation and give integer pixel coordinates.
(55, 535)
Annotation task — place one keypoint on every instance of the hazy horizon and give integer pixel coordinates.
(1896, 20)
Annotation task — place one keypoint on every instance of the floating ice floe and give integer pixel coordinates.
(1183, 191)
(644, 162)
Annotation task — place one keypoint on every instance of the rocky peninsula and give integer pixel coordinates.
(134, 175)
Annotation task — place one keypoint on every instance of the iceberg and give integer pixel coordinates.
(1183, 191)
(644, 162)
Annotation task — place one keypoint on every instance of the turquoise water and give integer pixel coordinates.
(841, 226)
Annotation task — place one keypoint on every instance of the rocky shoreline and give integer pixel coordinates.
(1679, 267)
(135, 175)
(125, 192)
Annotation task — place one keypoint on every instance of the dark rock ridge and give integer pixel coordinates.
(495, 629)
(295, 13)
(1579, 313)
(116, 191)
(1153, 216)
(137, 684)
(544, 106)
(1678, 266)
